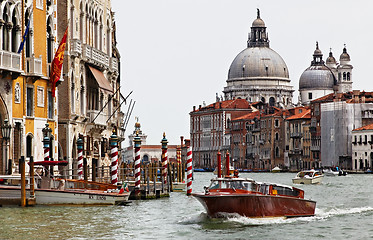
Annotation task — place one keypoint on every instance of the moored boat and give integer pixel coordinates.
(276, 170)
(68, 192)
(308, 177)
(249, 198)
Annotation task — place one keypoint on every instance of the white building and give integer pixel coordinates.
(362, 153)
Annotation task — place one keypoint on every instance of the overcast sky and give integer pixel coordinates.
(175, 54)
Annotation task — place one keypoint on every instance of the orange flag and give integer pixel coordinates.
(56, 65)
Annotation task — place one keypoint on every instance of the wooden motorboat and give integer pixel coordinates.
(308, 177)
(249, 198)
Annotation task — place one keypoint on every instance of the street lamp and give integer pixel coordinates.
(47, 131)
(6, 128)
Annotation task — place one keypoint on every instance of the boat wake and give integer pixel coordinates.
(320, 215)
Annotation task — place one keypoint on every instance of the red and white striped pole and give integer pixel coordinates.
(189, 171)
(164, 158)
(79, 144)
(114, 158)
(137, 141)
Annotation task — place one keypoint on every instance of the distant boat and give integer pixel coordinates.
(276, 170)
(246, 197)
(330, 172)
(308, 177)
(178, 186)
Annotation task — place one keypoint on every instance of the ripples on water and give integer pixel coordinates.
(344, 211)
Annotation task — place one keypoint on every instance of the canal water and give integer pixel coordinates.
(344, 211)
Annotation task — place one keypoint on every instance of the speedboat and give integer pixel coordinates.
(330, 172)
(308, 177)
(276, 170)
(246, 197)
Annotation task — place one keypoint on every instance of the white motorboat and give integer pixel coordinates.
(308, 177)
(276, 170)
(69, 192)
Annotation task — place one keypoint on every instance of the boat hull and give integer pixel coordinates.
(255, 205)
(66, 197)
(313, 180)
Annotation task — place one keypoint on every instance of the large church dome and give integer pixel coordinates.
(258, 62)
(258, 73)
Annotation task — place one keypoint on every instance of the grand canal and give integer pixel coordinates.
(344, 211)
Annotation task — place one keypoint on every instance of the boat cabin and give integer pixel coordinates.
(249, 186)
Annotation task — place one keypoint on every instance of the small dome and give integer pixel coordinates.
(258, 62)
(317, 77)
(258, 23)
(344, 56)
(331, 59)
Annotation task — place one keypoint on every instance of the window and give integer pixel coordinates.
(276, 136)
(309, 95)
(277, 123)
(40, 96)
(50, 105)
(30, 102)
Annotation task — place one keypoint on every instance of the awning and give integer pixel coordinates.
(101, 79)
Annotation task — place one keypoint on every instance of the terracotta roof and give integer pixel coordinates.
(303, 115)
(227, 104)
(367, 127)
(248, 116)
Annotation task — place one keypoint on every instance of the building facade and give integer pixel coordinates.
(89, 98)
(27, 100)
(362, 154)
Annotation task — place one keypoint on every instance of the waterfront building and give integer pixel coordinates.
(362, 154)
(89, 98)
(26, 99)
(299, 139)
(333, 117)
(322, 78)
(209, 127)
(258, 73)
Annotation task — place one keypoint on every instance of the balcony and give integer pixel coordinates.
(95, 56)
(34, 66)
(76, 48)
(296, 135)
(296, 151)
(113, 64)
(99, 120)
(315, 148)
(10, 61)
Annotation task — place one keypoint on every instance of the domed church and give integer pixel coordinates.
(321, 79)
(258, 73)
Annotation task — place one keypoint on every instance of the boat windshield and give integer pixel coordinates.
(236, 184)
(305, 174)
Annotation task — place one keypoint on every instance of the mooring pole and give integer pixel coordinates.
(79, 144)
(189, 171)
(164, 158)
(219, 164)
(114, 158)
(227, 163)
(137, 143)
(23, 181)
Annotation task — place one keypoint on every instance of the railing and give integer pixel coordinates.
(315, 148)
(76, 47)
(34, 65)
(114, 64)
(296, 135)
(100, 119)
(10, 61)
(95, 56)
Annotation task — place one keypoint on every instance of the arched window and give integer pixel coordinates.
(50, 40)
(263, 100)
(277, 152)
(272, 101)
(28, 40)
(348, 76)
(29, 145)
(14, 33)
(81, 20)
(344, 76)
(5, 30)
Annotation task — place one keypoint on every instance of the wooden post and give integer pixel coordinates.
(23, 181)
(227, 163)
(94, 169)
(169, 178)
(219, 164)
(85, 170)
(32, 179)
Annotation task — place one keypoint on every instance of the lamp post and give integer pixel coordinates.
(6, 129)
(47, 133)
